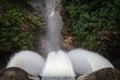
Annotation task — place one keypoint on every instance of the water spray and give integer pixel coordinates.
(58, 67)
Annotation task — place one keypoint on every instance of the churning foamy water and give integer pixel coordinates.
(58, 67)
(27, 60)
(85, 61)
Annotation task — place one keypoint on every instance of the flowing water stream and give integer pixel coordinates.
(50, 9)
(58, 65)
(54, 25)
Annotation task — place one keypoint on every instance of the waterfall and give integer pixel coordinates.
(50, 9)
(54, 25)
(58, 67)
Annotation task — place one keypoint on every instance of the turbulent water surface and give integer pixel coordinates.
(58, 67)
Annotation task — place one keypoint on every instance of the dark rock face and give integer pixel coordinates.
(19, 74)
(4, 58)
(16, 74)
(103, 74)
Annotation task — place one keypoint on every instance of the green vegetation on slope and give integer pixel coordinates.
(95, 24)
(18, 26)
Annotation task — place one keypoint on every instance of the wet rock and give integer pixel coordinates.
(16, 74)
(103, 74)
(68, 43)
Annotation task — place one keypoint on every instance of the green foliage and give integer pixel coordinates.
(93, 22)
(17, 27)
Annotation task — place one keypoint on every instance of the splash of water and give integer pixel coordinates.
(27, 60)
(58, 67)
(85, 61)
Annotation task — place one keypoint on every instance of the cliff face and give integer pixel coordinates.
(103, 74)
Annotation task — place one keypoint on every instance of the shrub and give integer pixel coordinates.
(94, 24)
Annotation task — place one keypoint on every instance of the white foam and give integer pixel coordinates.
(50, 65)
(58, 65)
(64, 64)
(85, 61)
(29, 61)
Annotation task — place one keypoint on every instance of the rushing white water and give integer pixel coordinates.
(27, 60)
(58, 67)
(54, 25)
(85, 61)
